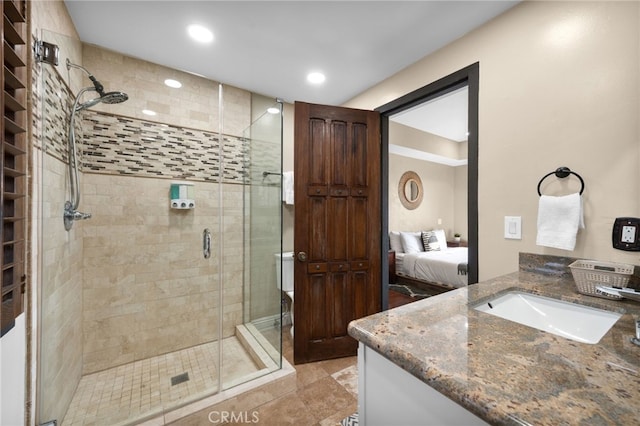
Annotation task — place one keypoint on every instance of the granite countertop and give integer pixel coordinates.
(507, 373)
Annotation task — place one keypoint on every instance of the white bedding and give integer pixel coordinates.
(447, 267)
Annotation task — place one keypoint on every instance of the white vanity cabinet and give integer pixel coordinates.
(388, 395)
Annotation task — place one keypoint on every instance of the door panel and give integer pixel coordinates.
(318, 153)
(359, 281)
(359, 235)
(339, 159)
(317, 228)
(337, 224)
(337, 239)
(339, 293)
(318, 287)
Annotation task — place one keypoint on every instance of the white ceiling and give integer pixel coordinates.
(445, 116)
(268, 47)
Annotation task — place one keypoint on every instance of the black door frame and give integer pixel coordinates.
(468, 76)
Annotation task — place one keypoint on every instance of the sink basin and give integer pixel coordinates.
(576, 322)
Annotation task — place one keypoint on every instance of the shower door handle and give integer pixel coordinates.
(206, 243)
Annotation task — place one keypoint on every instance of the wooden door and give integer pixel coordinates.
(337, 227)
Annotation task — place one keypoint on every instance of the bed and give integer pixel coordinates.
(446, 267)
(437, 265)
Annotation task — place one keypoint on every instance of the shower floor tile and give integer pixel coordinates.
(325, 392)
(132, 392)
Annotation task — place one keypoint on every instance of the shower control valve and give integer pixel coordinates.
(72, 215)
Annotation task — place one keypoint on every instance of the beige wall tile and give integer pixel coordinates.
(148, 289)
(61, 293)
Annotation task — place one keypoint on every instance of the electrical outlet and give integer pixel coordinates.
(625, 234)
(628, 234)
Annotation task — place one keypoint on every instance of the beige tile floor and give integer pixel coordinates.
(325, 392)
(132, 392)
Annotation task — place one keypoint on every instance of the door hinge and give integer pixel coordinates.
(46, 52)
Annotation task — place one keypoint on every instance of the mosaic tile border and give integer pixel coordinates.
(127, 146)
(115, 144)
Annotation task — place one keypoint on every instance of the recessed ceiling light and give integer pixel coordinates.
(200, 33)
(148, 112)
(315, 78)
(173, 83)
(273, 110)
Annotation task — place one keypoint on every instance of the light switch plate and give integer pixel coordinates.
(513, 227)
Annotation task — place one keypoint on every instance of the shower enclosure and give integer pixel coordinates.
(144, 308)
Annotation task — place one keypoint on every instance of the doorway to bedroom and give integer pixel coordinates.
(430, 167)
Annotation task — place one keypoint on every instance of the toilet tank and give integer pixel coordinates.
(287, 270)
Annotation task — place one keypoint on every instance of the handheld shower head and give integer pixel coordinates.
(113, 97)
(71, 213)
(107, 98)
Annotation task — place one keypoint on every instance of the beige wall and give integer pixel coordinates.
(438, 200)
(444, 186)
(559, 86)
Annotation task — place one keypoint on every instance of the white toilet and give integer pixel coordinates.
(285, 282)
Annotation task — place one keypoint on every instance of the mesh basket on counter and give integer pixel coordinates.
(588, 274)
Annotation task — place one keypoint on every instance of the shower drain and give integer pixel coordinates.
(180, 378)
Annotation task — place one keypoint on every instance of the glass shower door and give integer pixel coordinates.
(263, 229)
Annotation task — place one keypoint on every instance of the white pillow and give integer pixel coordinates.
(395, 243)
(411, 242)
(442, 238)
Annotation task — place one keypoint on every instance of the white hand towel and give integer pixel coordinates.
(558, 221)
(287, 187)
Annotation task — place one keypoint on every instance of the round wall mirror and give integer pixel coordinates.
(410, 190)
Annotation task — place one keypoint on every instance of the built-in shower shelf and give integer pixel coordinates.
(13, 160)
